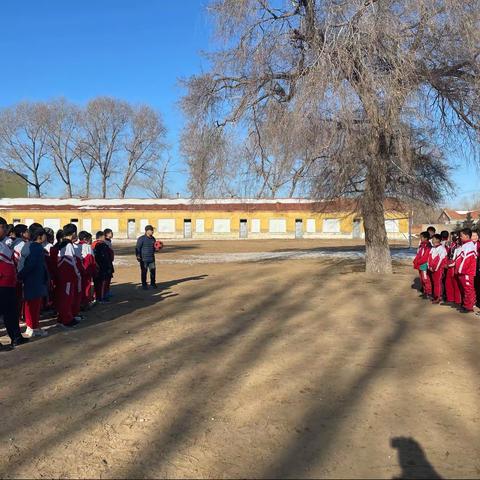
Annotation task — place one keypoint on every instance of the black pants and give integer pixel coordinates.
(145, 267)
(9, 310)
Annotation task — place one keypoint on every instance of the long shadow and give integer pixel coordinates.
(412, 460)
(129, 248)
(125, 300)
(222, 356)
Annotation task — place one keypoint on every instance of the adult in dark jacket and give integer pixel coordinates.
(145, 253)
(104, 267)
(35, 278)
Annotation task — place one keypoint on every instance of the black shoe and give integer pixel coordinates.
(72, 324)
(154, 285)
(5, 348)
(464, 310)
(19, 341)
(145, 287)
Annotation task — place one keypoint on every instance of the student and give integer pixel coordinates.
(48, 245)
(8, 295)
(452, 287)
(445, 236)
(22, 235)
(101, 252)
(34, 275)
(108, 232)
(68, 281)
(145, 253)
(10, 235)
(420, 263)
(437, 261)
(466, 269)
(89, 267)
(431, 231)
(475, 238)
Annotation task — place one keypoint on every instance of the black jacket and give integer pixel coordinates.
(145, 248)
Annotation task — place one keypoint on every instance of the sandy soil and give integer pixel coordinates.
(294, 368)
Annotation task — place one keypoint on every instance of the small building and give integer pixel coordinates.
(11, 185)
(205, 219)
(455, 217)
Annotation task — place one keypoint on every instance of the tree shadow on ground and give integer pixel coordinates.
(211, 360)
(412, 460)
(127, 298)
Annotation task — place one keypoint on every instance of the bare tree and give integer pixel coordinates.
(156, 182)
(23, 147)
(396, 83)
(104, 122)
(206, 150)
(143, 143)
(63, 139)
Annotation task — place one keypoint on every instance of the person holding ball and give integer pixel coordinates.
(145, 253)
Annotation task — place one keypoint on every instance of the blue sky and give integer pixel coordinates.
(131, 49)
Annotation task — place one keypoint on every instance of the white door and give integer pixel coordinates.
(131, 232)
(87, 225)
(187, 229)
(298, 228)
(243, 229)
(356, 232)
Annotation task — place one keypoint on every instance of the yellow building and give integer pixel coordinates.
(206, 219)
(11, 185)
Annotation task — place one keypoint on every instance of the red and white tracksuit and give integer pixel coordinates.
(17, 246)
(77, 303)
(68, 283)
(452, 286)
(8, 271)
(437, 261)
(421, 258)
(466, 269)
(89, 267)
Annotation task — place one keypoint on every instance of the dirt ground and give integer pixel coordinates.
(290, 368)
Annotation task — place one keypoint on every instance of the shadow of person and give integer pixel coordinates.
(416, 285)
(412, 459)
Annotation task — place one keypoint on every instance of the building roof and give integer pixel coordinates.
(219, 204)
(460, 215)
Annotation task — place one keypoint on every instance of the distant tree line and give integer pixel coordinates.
(107, 143)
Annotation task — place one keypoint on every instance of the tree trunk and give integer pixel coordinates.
(104, 186)
(87, 184)
(378, 258)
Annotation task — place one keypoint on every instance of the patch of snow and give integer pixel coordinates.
(245, 257)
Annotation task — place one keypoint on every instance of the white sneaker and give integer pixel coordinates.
(29, 332)
(38, 332)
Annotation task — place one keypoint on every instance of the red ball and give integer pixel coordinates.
(158, 245)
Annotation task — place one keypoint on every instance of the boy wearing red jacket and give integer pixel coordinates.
(420, 263)
(437, 261)
(466, 269)
(89, 267)
(68, 285)
(8, 284)
(452, 288)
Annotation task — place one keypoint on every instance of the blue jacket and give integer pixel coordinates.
(34, 274)
(145, 248)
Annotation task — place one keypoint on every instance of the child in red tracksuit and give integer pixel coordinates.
(466, 269)
(89, 267)
(68, 281)
(475, 238)
(452, 288)
(420, 263)
(437, 261)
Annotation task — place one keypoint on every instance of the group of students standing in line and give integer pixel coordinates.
(60, 274)
(449, 268)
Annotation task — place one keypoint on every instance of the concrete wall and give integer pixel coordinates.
(94, 220)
